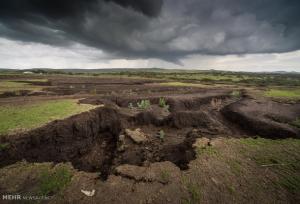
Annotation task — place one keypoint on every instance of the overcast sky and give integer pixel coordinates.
(256, 35)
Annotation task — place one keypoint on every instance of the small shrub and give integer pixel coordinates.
(4, 146)
(143, 104)
(130, 105)
(236, 94)
(161, 135)
(165, 176)
(163, 104)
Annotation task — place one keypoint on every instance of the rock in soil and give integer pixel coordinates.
(136, 135)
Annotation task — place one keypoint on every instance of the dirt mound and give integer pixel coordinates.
(264, 118)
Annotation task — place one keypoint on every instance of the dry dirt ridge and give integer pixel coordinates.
(103, 139)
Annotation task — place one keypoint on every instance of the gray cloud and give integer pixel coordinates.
(169, 29)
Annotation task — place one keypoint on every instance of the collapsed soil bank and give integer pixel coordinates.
(264, 118)
(69, 140)
(90, 142)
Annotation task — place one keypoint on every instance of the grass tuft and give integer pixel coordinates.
(296, 123)
(4, 146)
(195, 194)
(165, 176)
(291, 183)
(236, 94)
(143, 104)
(163, 104)
(207, 150)
(53, 182)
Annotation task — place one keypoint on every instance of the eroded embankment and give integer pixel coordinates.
(91, 142)
(102, 139)
(264, 118)
(69, 140)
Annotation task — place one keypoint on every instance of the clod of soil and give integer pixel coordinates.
(136, 135)
(268, 119)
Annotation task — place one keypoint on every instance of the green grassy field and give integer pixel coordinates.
(249, 166)
(23, 117)
(220, 77)
(176, 83)
(17, 85)
(292, 94)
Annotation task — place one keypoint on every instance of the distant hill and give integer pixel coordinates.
(132, 70)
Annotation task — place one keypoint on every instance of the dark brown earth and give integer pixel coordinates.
(96, 141)
(91, 140)
(265, 118)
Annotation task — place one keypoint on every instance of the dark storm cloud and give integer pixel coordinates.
(148, 7)
(70, 8)
(169, 29)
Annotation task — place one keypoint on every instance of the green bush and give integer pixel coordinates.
(163, 104)
(143, 104)
(161, 135)
(236, 94)
(130, 105)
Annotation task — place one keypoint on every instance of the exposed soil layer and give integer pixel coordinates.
(96, 140)
(64, 85)
(90, 141)
(69, 140)
(264, 118)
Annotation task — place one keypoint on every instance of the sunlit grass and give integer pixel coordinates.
(293, 94)
(181, 84)
(17, 86)
(24, 117)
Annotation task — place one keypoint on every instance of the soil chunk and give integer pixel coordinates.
(162, 172)
(254, 117)
(136, 135)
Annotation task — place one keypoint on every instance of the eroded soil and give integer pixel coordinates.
(97, 142)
